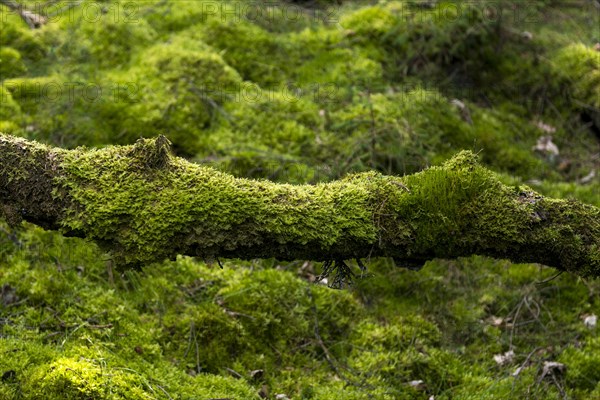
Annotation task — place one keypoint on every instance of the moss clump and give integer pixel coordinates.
(405, 132)
(330, 69)
(266, 133)
(204, 338)
(424, 41)
(11, 64)
(265, 64)
(59, 108)
(100, 375)
(109, 40)
(583, 365)
(400, 352)
(579, 64)
(16, 34)
(179, 89)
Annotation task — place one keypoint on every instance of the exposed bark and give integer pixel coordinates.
(144, 205)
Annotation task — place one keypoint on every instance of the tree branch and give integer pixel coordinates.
(143, 205)
(32, 19)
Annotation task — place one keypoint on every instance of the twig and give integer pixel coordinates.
(234, 373)
(549, 279)
(320, 342)
(330, 359)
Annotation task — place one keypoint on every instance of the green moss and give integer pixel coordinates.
(330, 69)
(265, 65)
(266, 133)
(381, 335)
(579, 64)
(74, 112)
(583, 365)
(412, 41)
(34, 88)
(402, 351)
(178, 89)
(9, 109)
(335, 98)
(372, 22)
(407, 131)
(16, 34)
(109, 39)
(100, 375)
(283, 212)
(10, 63)
(204, 338)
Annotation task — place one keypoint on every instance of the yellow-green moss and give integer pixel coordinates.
(9, 108)
(10, 63)
(580, 65)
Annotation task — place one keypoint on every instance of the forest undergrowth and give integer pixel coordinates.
(303, 92)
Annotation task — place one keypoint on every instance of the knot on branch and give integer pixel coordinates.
(152, 153)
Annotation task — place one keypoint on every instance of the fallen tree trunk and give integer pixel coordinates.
(143, 205)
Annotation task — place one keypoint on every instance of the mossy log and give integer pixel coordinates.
(143, 204)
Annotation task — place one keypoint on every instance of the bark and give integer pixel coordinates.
(143, 205)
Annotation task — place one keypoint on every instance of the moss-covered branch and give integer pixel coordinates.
(143, 204)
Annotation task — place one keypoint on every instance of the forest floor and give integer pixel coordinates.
(304, 92)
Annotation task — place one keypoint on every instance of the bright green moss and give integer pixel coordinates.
(37, 90)
(10, 63)
(101, 375)
(330, 68)
(205, 204)
(9, 127)
(580, 65)
(178, 89)
(371, 22)
(9, 108)
(267, 64)
(269, 121)
(405, 132)
(16, 34)
(110, 38)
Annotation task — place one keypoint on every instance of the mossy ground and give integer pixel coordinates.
(302, 94)
(74, 328)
